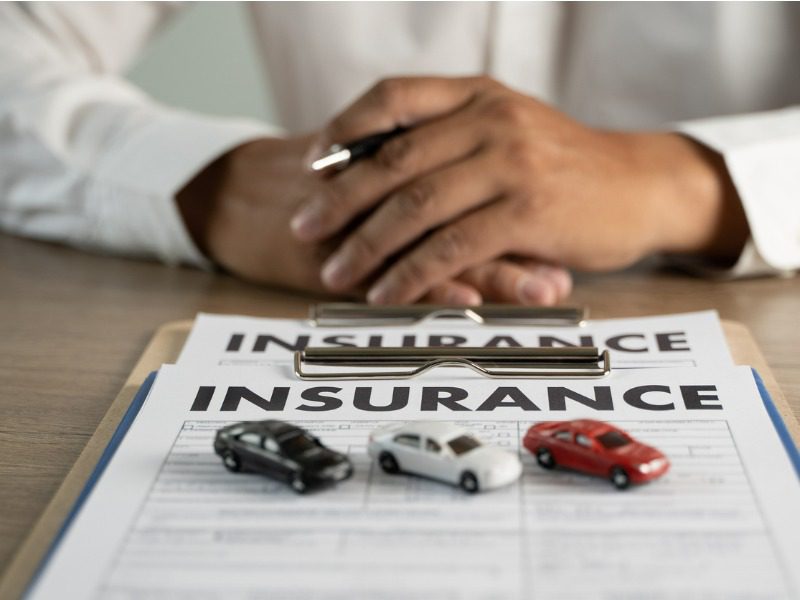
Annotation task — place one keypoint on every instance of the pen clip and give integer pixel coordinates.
(338, 156)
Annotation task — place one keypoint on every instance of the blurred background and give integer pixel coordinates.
(205, 60)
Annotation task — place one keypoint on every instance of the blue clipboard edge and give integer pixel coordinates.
(777, 422)
(138, 400)
(108, 453)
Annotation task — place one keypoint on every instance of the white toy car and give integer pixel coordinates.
(445, 452)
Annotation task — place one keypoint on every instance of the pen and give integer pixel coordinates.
(339, 156)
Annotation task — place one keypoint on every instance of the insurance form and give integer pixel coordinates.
(166, 520)
(682, 340)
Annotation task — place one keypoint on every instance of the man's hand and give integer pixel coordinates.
(485, 172)
(238, 209)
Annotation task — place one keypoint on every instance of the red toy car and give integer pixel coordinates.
(597, 448)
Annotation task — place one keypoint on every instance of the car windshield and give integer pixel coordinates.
(295, 444)
(463, 444)
(613, 439)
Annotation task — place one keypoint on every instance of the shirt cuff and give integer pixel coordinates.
(149, 167)
(749, 264)
(761, 152)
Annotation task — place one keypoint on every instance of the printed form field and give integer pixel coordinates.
(389, 537)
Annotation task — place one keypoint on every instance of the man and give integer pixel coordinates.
(489, 188)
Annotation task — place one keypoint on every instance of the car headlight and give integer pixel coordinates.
(651, 466)
(336, 471)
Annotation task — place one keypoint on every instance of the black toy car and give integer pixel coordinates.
(283, 452)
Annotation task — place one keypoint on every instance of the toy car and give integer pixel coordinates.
(596, 448)
(445, 452)
(281, 451)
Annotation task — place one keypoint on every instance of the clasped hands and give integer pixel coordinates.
(488, 195)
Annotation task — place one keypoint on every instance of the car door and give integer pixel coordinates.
(248, 448)
(563, 448)
(406, 448)
(437, 461)
(281, 466)
(588, 458)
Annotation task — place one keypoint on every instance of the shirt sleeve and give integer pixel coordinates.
(762, 154)
(86, 158)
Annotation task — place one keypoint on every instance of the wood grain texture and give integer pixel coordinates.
(73, 325)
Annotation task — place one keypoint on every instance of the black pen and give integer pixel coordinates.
(339, 156)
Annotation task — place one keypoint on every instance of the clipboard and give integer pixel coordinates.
(165, 346)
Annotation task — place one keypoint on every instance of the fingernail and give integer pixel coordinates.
(336, 271)
(380, 293)
(307, 223)
(534, 291)
(563, 282)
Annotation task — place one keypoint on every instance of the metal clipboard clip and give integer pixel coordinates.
(364, 315)
(496, 363)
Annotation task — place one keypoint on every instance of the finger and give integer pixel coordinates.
(408, 214)
(454, 293)
(474, 239)
(396, 102)
(531, 284)
(560, 277)
(400, 160)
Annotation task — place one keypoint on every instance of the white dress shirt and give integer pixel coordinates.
(89, 160)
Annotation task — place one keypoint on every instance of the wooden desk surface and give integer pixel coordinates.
(72, 326)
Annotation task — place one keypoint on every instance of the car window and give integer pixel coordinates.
(271, 445)
(432, 446)
(463, 444)
(407, 439)
(583, 440)
(613, 439)
(235, 431)
(251, 439)
(564, 436)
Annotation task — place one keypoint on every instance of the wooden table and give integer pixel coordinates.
(72, 326)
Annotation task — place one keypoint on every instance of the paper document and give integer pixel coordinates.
(166, 520)
(683, 340)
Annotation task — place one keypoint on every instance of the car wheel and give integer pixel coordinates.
(620, 478)
(388, 463)
(469, 483)
(545, 458)
(297, 483)
(231, 461)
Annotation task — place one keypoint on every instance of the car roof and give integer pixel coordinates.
(270, 426)
(432, 429)
(591, 427)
